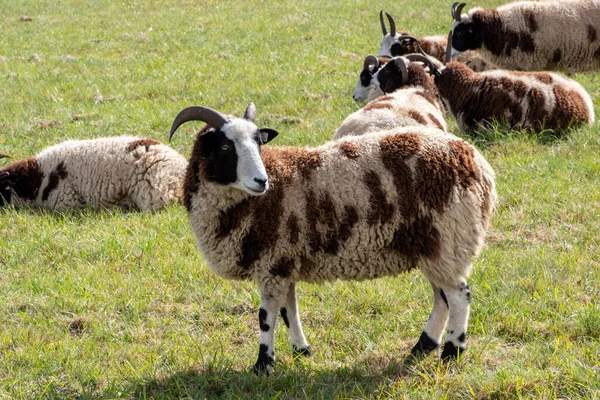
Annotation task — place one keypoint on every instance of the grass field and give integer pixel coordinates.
(104, 304)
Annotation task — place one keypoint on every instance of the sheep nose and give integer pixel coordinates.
(261, 182)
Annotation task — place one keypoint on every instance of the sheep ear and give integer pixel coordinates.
(266, 135)
(250, 113)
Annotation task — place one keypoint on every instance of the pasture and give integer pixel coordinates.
(106, 304)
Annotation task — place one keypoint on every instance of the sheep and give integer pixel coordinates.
(364, 85)
(532, 36)
(412, 101)
(400, 44)
(523, 100)
(123, 172)
(361, 207)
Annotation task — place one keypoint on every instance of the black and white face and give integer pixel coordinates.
(463, 38)
(5, 189)
(231, 156)
(391, 78)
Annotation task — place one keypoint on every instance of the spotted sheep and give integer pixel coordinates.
(409, 98)
(517, 99)
(532, 36)
(400, 44)
(122, 172)
(361, 207)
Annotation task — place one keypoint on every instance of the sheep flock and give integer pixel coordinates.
(394, 189)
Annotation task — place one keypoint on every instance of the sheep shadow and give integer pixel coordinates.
(364, 378)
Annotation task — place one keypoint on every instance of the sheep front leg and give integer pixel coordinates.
(431, 337)
(267, 319)
(459, 299)
(291, 318)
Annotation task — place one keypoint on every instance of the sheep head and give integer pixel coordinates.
(364, 86)
(464, 33)
(229, 152)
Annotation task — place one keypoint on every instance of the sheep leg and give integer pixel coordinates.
(431, 337)
(291, 318)
(459, 299)
(267, 319)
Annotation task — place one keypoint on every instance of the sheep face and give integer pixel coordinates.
(5, 189)
(464, 35)
(365, 85)
(392, 76)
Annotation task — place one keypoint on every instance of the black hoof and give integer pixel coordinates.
(451, 352)
(424, 346)
(302, 351)
(262, 368)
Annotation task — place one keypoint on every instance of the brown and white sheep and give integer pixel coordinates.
(411, 99)
(122, 171)
(361, 207)
(532, 35)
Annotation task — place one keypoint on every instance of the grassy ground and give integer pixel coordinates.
(102, 304)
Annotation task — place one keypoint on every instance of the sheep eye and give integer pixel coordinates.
(225, 147)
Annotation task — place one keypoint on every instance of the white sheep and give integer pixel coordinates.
(361, 207)
(532, 35)
(122, 171)
(529, 100)
(411, 100)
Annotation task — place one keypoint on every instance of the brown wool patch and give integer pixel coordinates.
(536, 113)
(264, 231)
(417, 239)
(380, 211)
(570, 109)
(283, 162)
(349, 150)
(320, 211)
(592, 33)
(231, 219)
(500, 41)
(293, 228)
(282, 268)
(463, 160)
(377, 105)
(530, 20)
(56, 176)
(417, 116)
(435, 121)
(543, 77)
(138, 143)
(25, 177)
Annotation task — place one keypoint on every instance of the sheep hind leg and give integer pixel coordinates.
(459, 299)
(431, 336)
(267, 319)
(291, 318)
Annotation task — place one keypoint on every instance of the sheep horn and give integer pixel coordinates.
(371, 62)
(250, 113)
(458, 11)
(3, 175)
(421, 58)
(197, 113)
(449, 49)
(453, 10)
(392, 25)
(399, 61)
(2, 155)
(383, 28)
(409, 37)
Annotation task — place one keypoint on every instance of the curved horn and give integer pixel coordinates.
(197, 113)
(370, 61)
(2, 155)
(458, 11)
(399, 61)
(453, 10)
(421, 58)
(250, 113)
(383, 28)
(409, 37)
(449, 49)
(392, 25)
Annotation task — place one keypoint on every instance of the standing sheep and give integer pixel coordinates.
(361, 207)
(530, 100)
(120, 171)
(532, 35)
(411, 100)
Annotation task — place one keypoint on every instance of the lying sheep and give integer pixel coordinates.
(361, 207)
(530, 100)
(364, 85)
(394, 44)
(120, 171)
(411, 100)
(532, 36)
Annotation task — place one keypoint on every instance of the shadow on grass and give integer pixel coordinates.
(366, 377)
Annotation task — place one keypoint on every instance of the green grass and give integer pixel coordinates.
(103, 304)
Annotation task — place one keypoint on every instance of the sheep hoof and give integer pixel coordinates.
(262, 368)
(264, 364)
(451, 352)
(301, 352)
(424, 346)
